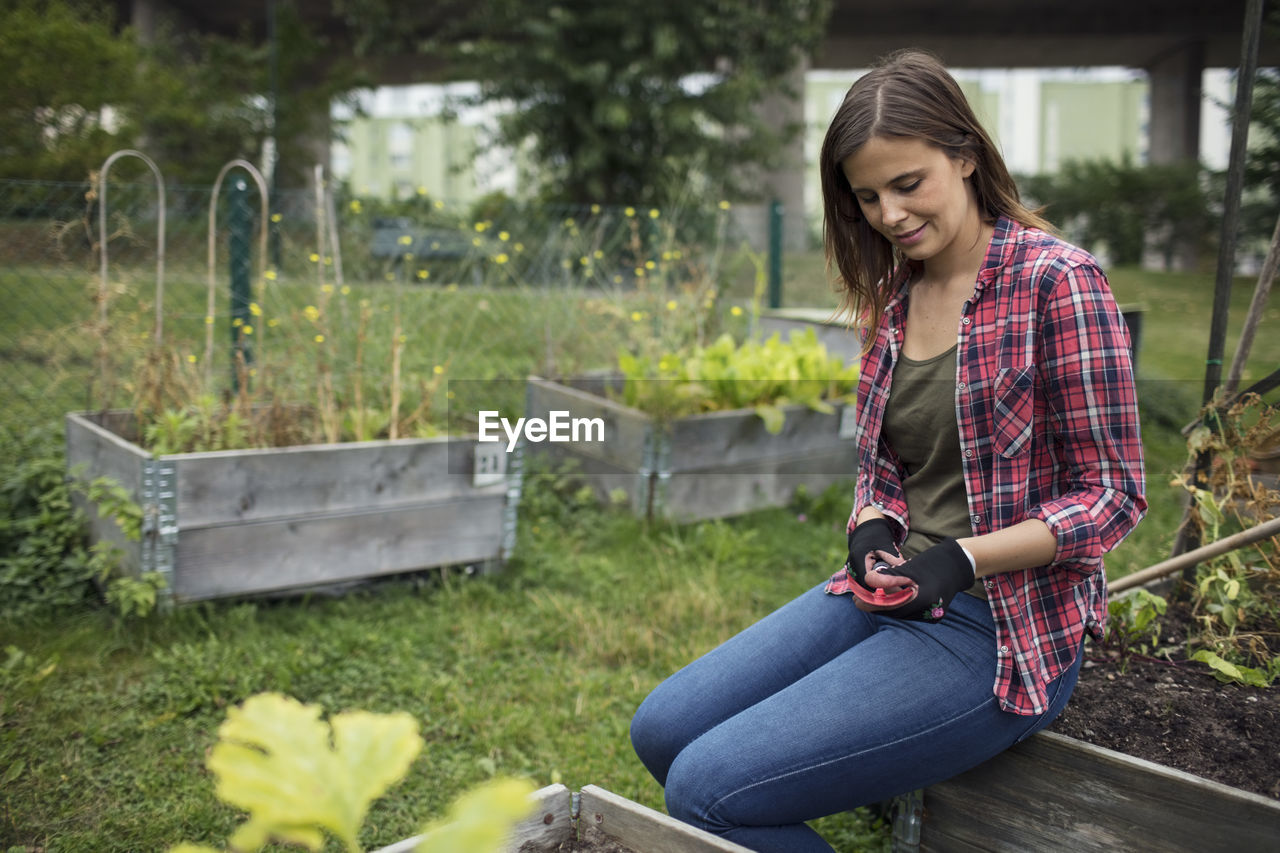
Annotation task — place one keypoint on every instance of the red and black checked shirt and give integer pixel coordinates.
(1048, 422)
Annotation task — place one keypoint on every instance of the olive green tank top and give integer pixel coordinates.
(920, 426)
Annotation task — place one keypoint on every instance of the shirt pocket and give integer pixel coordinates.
(1013, 410)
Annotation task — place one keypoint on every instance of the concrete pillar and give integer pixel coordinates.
(786, 182)
(1175, 104)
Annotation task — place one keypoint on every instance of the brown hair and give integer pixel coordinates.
(909, 94)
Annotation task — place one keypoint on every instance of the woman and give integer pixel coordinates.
(999, 459)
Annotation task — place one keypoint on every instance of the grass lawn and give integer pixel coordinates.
(104, 725)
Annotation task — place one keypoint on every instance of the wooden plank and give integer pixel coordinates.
(689, 496)
(550, 824)
(643, 829)
(277, 483)
(267, 556)
(626, 430)
(94, 451)
(739, 438)
(1053, 793)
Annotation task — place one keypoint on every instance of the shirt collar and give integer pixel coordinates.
(999, 251)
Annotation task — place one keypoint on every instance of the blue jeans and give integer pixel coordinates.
(819, 708)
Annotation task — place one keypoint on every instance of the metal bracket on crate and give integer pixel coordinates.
(159, 520)
(908, 819)
(655, 473)
(515, 486)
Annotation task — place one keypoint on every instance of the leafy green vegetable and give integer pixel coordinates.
(762, 375)
(298, 776)
(480, 820)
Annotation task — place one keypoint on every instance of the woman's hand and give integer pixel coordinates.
(938, 574)
(869, 541)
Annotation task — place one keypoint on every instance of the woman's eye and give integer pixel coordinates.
(910, 187)
(867, 199)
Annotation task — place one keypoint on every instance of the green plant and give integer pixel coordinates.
(1133, 621)
(301, 778)
(1236, 596)
(762, 375)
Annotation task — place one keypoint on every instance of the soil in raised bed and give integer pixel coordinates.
(1176, 713)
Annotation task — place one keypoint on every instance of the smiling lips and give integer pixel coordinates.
(910, 237)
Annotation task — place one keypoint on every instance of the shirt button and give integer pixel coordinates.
(969, 453)
(961, 386)
(964, 321)
(977, 519)
(1004, 650)
(989, 584)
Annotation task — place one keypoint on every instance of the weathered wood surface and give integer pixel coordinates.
(1053, 793)
(257, 521)
(304, 551)
(550, 824)
(643, 829)
(258, 485)
(95, 451)
(705, 466)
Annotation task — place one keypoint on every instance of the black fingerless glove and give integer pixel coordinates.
(939, 572)
(874, 534)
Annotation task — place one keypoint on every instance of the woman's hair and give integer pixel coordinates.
(907, 94)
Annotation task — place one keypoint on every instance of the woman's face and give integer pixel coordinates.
(916, 195)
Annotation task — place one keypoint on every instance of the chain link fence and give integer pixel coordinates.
(360, 311)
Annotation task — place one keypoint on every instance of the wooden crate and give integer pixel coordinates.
(705, 466)
(560, 815)
(239, 522)
(1052, 793)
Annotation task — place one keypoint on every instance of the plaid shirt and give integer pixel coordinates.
(1048, 423)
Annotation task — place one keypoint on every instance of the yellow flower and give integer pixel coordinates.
(248, 330)
(504, 236)
(355, 206)
(584, 260)
(639, 272)
(671, 305)
(275, 217)
(255, 309)
(423, 275)
(422, 190)
(311, 312)
(208, 320)
(724, 205)
(501, 258)
(402, 339)
(519, 247)
(736, 311)
(328, 261)
(326, 288)
(315, 258)
(475, 241)
(269, 275)
(653, 213)
(569, 223)
(253, 371)
(437, 370)
(439, 205)
(595, 208)
(237, 322)
(405, 240)
(617, 279)
(636, 316)
(449, 394)
(319, 339)
(630, 211)
(650, 265)
(272, 323)
(597, 254)
(191, 359)
(677, 254)
(480, 226)
(567, 264)
(346, 290)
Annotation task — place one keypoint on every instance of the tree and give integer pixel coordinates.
(617, 103)
(65, 66)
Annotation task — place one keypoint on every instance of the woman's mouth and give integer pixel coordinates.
(910, 237)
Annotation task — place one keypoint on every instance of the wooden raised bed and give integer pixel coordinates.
(240, 522)
(1052, 793)
(698, 467)
(561, 815)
